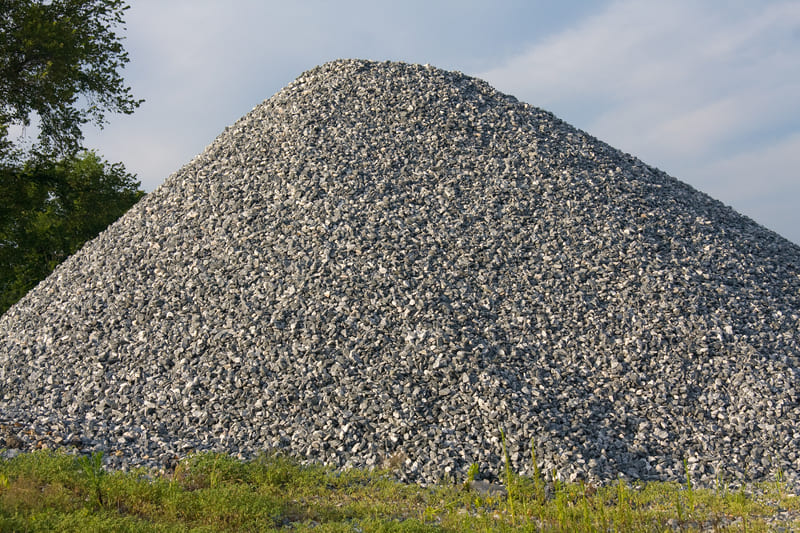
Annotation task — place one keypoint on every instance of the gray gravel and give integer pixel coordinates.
(386, 264)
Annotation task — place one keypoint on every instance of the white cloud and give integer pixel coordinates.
(687, 86)
(699, 89)
(763, 183)
(758, 177)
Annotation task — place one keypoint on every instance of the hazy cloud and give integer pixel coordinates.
(706, 91)
(695, 88)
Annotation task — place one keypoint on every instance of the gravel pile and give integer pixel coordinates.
(386, 264)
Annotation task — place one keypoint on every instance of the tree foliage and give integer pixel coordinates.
(60, 69)
(50, 210)
(60, 62)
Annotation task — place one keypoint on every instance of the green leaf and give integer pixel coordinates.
(50, 210)
(52, 56)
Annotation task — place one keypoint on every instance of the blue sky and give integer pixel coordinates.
(708, 91)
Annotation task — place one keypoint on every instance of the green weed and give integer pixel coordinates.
(49, 491)
(507, 461)
(92, 468)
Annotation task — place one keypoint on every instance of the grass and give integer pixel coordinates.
(52, 491)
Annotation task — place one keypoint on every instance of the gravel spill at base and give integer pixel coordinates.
(386, 264)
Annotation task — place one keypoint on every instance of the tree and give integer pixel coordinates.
(60, 62)
(50, 210)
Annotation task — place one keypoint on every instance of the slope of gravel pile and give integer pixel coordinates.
(387, 264)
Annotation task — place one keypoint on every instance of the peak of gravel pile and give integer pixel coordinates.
(386, 264)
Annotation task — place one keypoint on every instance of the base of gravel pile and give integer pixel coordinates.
(386, 265)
